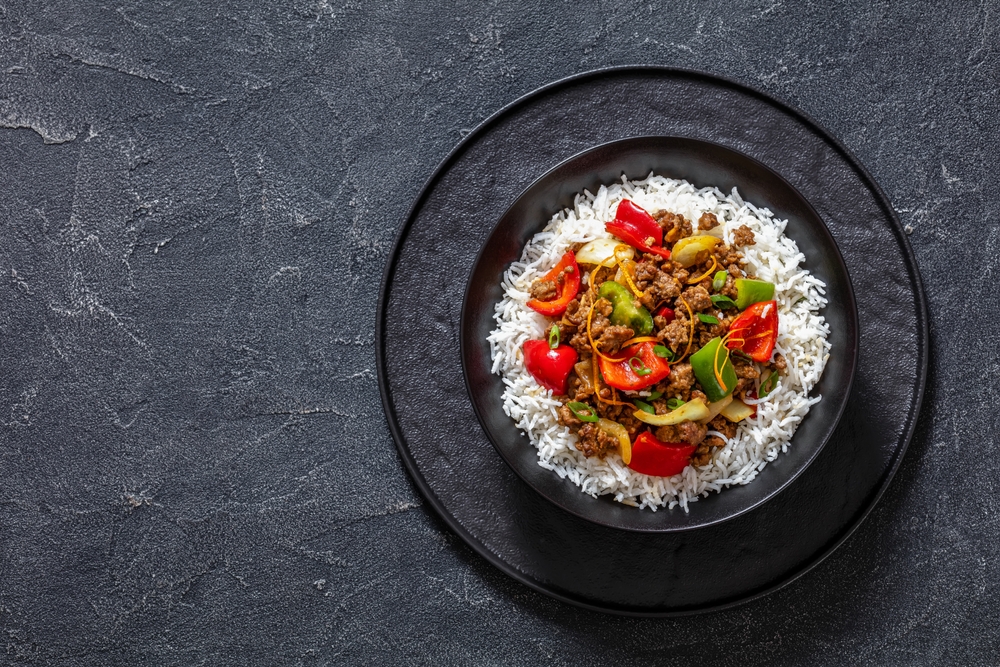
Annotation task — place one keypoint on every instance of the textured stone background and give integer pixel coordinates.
(196, 204)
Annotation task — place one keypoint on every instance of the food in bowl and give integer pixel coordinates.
(658, 342)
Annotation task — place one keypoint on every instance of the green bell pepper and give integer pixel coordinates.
(703, 364)
(749, 292)
(626, 313)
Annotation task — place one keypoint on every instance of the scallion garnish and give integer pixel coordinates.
(663, 352)
(655, 395)
(674, 403)
(645, 407)
(722, 301)
(639, 367)
(708, 319)
(719, 280)
(769, 383)
(554, 337)
(582, 411)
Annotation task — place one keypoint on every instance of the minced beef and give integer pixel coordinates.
(543, 290)
(679, 382)
(612, 337)
(697, 298)
(707, 221)
(743, 235)
(592, 441)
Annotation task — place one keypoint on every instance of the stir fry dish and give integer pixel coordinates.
(660, 340)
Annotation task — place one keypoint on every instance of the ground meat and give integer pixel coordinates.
(612, 337)
(729, 289)
(702, 455)
(623, 415)
(674, 226)
(723, 426)
(543, 290)
(676, 334)
(576, 310)
(780, 364)
(592, 441)
(707, 332)
(744, 368)
(679, 382)
(566, 331)
(657, 285)
(697, 298)
(707, 221)
(743, 235)
(581, 344)
(690, 432)
(577, 389)
(567, 418)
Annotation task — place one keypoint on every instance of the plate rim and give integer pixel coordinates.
(385, 393)
(852, 309)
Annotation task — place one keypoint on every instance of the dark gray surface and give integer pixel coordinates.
(196, 205)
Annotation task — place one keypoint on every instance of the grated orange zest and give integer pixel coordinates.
(618, 260)
(695, 281)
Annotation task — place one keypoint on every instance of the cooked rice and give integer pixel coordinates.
(802, 334)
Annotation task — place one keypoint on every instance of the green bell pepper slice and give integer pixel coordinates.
(703, 364)
(626, 312)
(749, 292)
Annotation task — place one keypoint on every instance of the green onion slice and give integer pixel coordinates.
(554, 337)
(663, 352)
(645, 407)
(769, 383)
(582, 411)
(674, 403)
(708, 319)
(639, 366)
(655, 395)
(719, 280)
(722, 301)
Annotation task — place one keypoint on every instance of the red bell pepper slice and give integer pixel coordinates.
(666, 313)
(755, 331)
(549, 366)
(638, 229)
(662, 459)
(566, 276)
(626, 371)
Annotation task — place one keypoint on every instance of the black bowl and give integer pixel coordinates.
(703, 164)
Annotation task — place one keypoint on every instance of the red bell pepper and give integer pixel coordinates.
(755, 331)
(549, 365)
(637, 367)
(638, 229)
(666, 313)
(566, 276)
(663, 459)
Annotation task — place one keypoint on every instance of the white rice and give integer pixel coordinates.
(802, 334)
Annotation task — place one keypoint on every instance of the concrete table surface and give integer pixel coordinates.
(196, 204)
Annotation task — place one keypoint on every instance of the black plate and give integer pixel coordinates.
(478, 496)
(703, 164)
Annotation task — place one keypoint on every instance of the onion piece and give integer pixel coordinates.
(585, 371)
(685, 252)
(716, 407)
(616, 430)
(602, 252)
(736, 411)
(692, 411)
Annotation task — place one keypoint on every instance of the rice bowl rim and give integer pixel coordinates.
(562, 492)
